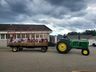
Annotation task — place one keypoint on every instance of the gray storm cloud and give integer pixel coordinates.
(65, 14)
(35, 7)
(72, 5)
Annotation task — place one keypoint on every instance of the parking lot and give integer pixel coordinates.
(32, 60)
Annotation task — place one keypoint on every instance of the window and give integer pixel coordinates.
(27, 35)
(7, 36)
(37, 35)
(41, 35)
(32, 35)
(2, 36)
(18, 36)
(23, 35)
(45, 36)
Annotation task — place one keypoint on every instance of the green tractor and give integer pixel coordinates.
(65, 45)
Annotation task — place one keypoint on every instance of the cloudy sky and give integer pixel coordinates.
(62, 16)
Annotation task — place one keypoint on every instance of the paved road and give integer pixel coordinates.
(51, 61)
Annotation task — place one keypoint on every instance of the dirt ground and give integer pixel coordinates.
(32, 60)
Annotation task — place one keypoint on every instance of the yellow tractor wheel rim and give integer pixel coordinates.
(62, 47)
(85, 52)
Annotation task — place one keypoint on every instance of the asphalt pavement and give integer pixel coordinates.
(33, 60)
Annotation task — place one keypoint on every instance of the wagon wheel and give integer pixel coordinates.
(14, 49)
(85, 52)
(44, 49)
(63, 47)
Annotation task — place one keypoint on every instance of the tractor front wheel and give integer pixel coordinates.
(85, 52)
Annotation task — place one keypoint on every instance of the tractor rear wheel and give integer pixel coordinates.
(85, 52)
(63, 47)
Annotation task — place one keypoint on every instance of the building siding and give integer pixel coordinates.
(3, 43)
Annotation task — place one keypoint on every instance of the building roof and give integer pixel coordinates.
(23, 27)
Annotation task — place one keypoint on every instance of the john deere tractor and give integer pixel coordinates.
(65, 45)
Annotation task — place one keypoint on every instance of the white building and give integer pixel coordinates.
(22, 31)
(53, 39)
(92, 40)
